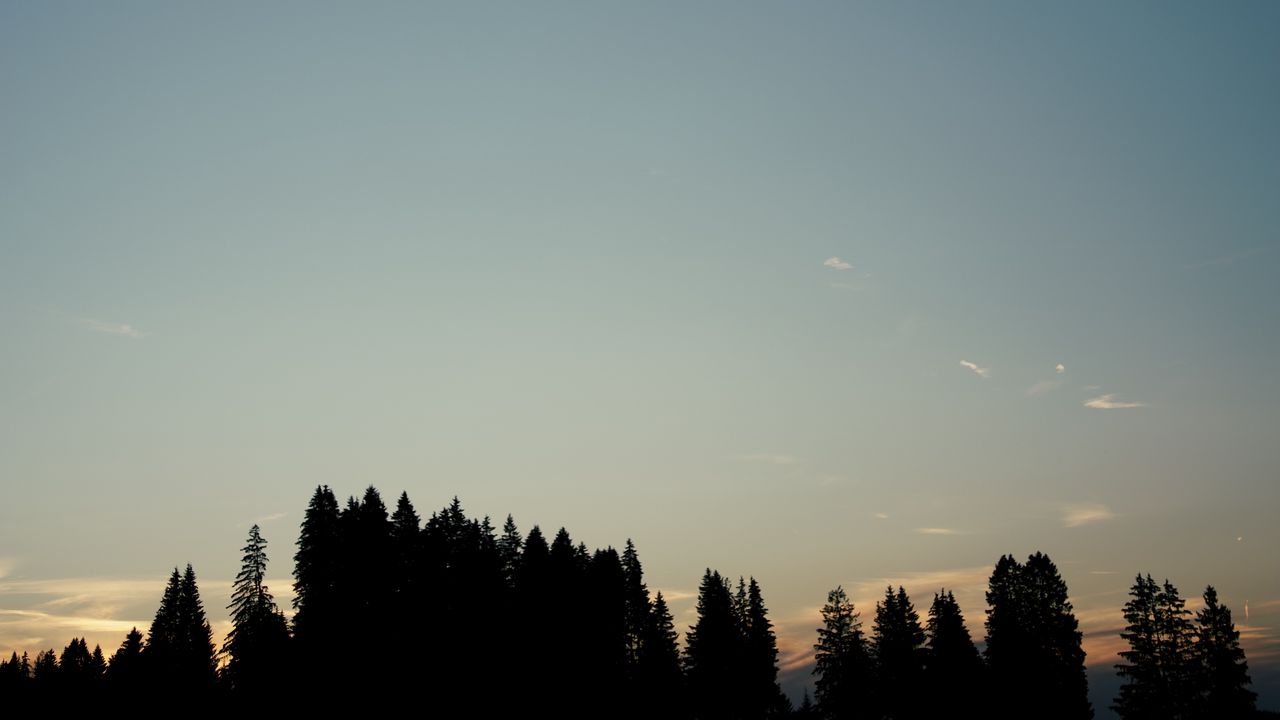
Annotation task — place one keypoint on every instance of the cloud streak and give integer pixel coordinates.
(836, 263)
(981, 372)
(770, 459)
(110, 328)
(1108, 401)
(1079, 515)
(937, 531)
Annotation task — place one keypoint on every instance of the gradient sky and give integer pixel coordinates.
(823, 293)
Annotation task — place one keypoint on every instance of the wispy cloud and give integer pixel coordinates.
(111, 328)
(6, 566)
(1109, 402)
(937, 531)
(979, 371)
(769, 459)
(881, 516)
(1078, 515)
(1226, 259)
(836, 263)
(269, 518)
(1045, 386)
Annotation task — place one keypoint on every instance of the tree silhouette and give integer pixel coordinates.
(1034, 651)
(126, 673)
(1223, 669)
(842, 661)
(660, 682)
(761, 694)
(713, 651)
(953, 671)
(898, 642)
(1158, 667)
(179, 653)
(258, 643)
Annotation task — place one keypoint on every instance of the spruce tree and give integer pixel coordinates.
(953, 669)
(638, 608)
(713, 652)
(1159, 665)
(316, 569)
(125, 672)
(1223, 670)
(660, 683)
(1034, 653)
(842, 662)
(762, 695)
(898, 643)
(258, 642)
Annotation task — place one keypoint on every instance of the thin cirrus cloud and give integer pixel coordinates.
(770, 459)
(111, 328)
(1080, 515)
(937, 531)
(836, 263)
(981, 372)
(1045, 386)
(1108, 401)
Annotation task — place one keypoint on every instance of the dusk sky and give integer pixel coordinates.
(822, 293)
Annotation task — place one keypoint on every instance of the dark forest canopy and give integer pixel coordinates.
(489, 621)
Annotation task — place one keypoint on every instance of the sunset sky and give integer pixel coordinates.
(824, 293)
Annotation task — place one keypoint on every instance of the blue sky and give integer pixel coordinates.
(777, 289)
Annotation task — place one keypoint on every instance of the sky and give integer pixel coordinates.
(820, 293)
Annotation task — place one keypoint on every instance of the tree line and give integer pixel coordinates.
(486, 621)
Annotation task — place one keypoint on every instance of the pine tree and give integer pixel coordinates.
(126, 673)
(1223, 670)
(953, 669)
(1034, 653)
(1159, 664)
(637, 603)
(842, 661)
(713, 651)
(762, 695)
(199, 658)
(258, 642)
(316, 569)
(898, 642)
(660, 683)
(510, 545)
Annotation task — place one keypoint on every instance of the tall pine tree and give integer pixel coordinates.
(898, 642)
(842, 661)
(258, 644)
(1223, 670)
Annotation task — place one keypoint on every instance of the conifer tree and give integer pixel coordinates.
(762, 695)
(953, 668)
(661, 683)
(1223, 670)
(1034, 653)
(316, 570)
(125, 672)
(1158, 665)
(713, 652)
(842, 662)
(258, 642)
(510, 545)
(638, 609)
(898, 642)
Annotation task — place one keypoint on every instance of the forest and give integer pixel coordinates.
(456, 616)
